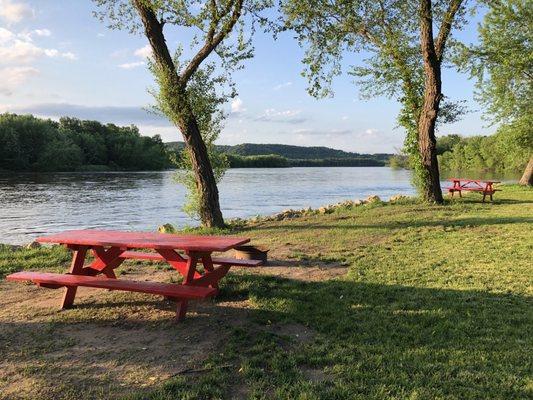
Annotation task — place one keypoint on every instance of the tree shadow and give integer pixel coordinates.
(370, 337)
(407, 224)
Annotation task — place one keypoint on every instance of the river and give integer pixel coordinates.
(37, 204)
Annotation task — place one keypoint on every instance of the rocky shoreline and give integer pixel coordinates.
(327, 209)
(281, 216)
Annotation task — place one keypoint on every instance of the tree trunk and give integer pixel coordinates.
(173, 91)
(430, 107)
(210, 213)
(527, 177)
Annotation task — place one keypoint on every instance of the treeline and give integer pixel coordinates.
(28, 143)
(289, 151)
(260, 161)
(277, 161)
(508, 150)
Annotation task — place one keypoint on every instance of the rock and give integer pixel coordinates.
(372, 199)
(358, 203)
(397, 197)
(325, 210)
(33, 245)
(167, 228)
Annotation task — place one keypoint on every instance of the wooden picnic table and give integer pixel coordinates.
(111, 248)
(486, 187)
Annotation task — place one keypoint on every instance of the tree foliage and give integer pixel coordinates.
(191, 88)
(28, 143)
(388, 34)
(507, 151)
(502, 62)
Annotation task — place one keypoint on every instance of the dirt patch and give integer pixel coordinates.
(315, 375)
(111, 344)
(298, 333)
(114, 343)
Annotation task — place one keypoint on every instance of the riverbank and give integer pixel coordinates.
(382, 300)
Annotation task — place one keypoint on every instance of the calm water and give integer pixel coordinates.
(36, 204)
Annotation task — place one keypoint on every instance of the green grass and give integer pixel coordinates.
(49, 258)
(436, 304)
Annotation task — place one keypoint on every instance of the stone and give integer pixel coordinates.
(166, 228)
(397, 197)
(372, 199)
(33, 245)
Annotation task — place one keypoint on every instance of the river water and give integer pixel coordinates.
(37, 204)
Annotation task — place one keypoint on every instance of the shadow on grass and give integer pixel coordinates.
(407, 224)
(374, 341)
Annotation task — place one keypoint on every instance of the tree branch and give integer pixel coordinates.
(213, 40)
(446, 27)
(154, 33)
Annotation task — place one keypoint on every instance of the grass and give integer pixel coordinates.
(436, 303)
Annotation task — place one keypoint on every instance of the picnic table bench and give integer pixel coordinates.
(111, 248)
(485, 187)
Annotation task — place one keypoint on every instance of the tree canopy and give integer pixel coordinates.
(401, 59)
(28, 143)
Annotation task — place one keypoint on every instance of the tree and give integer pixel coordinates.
(502, 63)
(179, 95)
(404, 61)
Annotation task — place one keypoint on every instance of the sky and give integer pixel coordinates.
(57, 59)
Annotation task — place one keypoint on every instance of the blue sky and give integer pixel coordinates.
(57, 59)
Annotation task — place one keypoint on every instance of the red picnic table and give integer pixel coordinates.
(473, 185)
(111, 248)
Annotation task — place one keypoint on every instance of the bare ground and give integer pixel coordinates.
(114, 343)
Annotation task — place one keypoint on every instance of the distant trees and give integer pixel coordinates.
(505, 151)
(28, 143)
(502, 63)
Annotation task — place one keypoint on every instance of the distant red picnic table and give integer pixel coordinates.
(486, 187)
(111, 248)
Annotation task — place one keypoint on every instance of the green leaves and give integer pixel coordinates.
(503, 61)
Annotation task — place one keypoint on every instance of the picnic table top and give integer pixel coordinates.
(471, 180)
(144, 240)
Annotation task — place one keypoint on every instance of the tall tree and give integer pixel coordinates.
(180, 81)
(403, 60)
(502, 63)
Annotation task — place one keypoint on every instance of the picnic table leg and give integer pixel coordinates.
(105, 261)
(76, 267)
(181, 306)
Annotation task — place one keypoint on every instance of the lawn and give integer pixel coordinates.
(381, 301)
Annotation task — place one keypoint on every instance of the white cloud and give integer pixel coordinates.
(345, 118)
(5, 35)
(143, 52)
(24, 52)
(371, 132)
(42, 32)
(100, 34)
(282, 85)
(131, 65)
(319, 132)
(12, 77)
(18, 52)
(283, 116)
(13, 12)
(237, 105)
(69, 56)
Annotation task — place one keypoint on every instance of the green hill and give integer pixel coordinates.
(282, 155)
